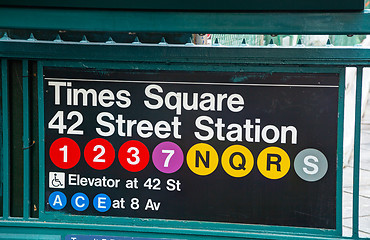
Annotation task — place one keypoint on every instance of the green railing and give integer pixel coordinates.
(23, 60)
(23, 152)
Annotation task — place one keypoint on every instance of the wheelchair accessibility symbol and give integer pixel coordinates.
(56, 180)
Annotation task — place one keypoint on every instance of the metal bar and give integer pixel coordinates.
(154, 232)
(167, 21)
(320, 56)
(341, 94)
(26, 143)
(356, 167)
(40, 97)
(5, 158)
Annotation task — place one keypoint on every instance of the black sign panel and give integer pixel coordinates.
(252, 148)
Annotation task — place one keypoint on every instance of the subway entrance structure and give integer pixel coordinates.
(131, 140)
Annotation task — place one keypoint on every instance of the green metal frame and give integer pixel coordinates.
(179, 54)
(174, 57)
(171, 57)
(189, 22)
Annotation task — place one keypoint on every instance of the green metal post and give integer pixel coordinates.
(339, 213)
(4, 82)
(26, 143)
(40, 94)
(356, 166)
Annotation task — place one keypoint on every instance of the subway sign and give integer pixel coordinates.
(247, 148)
